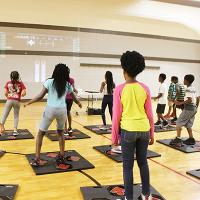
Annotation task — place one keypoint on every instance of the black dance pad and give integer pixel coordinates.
(7, 192)
(184, 148)
(115, 192)
(48, 163)
(106, 150)
(98, 129)
(53, 136)
(23, 134)
(195, 173)
(164, 129)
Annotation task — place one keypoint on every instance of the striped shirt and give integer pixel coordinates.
(172, 91)
(181, 92)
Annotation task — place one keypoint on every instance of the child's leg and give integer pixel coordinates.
(16, 107)
(69, 116)
(128, 149)
(61, 119)
(7, 108)
(141, 155)
(178, 132)
(61, 139)
(189, 130)
(39, 140)
(103, 109)
(110, 106)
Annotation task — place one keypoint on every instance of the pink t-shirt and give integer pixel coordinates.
(14, 89)
(71, 81)
(132, 109)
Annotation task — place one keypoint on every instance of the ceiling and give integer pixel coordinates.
(178, 18)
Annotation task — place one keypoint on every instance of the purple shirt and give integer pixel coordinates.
(71, 81)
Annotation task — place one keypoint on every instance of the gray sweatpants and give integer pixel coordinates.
(8, 106)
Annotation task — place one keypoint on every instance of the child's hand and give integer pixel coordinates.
(151, 141)
(154, 98)
(25, 105)
(80, 105)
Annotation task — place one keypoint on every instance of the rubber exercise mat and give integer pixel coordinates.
(115, 192)
(53, 136)
(98, 129)
(23, 134)
(184, 148)
(194, 173)
(7, 192)
(164, 129)
(106, 150)
(48, 162)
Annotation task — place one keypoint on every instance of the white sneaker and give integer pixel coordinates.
(117, 149)
(15, 133)
(142, 197)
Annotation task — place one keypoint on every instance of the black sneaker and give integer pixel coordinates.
(189, 141)
(174, 120)
(158, 123)
(60, 159)
(165, 124)
(176, 142)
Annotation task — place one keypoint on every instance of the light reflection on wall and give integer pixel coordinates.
(40, 71)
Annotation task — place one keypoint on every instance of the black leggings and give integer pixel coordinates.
(107, 100)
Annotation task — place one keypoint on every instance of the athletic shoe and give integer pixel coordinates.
(174, 120)
(60, 159)
(189, 141)
(158, 123)
(146, 197)
(117, 149)
(66, 133)
(35, 163)
(69, 130)
(176, 142)
(15, 133)
(165, 123)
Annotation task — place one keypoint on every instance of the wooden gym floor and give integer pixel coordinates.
(167, 172)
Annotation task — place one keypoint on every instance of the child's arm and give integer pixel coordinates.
(6, 92)
(188, 101)
(75, 99)
(158, 97)
(149, 112)
(117, 113)
(23, 93)
(102, 86)
(197, 101)
(38, 97)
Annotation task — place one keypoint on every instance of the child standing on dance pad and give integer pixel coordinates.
(57, 87)
(69, 103)
(107, 88)
(133, 123)
(14, 90)
(187, 116)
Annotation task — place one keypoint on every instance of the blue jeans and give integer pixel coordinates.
(131, 142)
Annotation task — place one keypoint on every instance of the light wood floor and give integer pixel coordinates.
(167, 172)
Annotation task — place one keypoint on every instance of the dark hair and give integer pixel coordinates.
(61, 77)
(109, 82)
(14, 76)
(174, 78)
(163, 76)
(133, 63)
(189, 78)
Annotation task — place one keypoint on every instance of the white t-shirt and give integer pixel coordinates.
(191, 92)
(162, 90)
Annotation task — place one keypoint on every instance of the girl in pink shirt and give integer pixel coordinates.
(132, 123)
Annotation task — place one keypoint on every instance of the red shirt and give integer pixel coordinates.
(14, 89)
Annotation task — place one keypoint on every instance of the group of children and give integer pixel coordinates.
(180, 97)
(130, 108)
